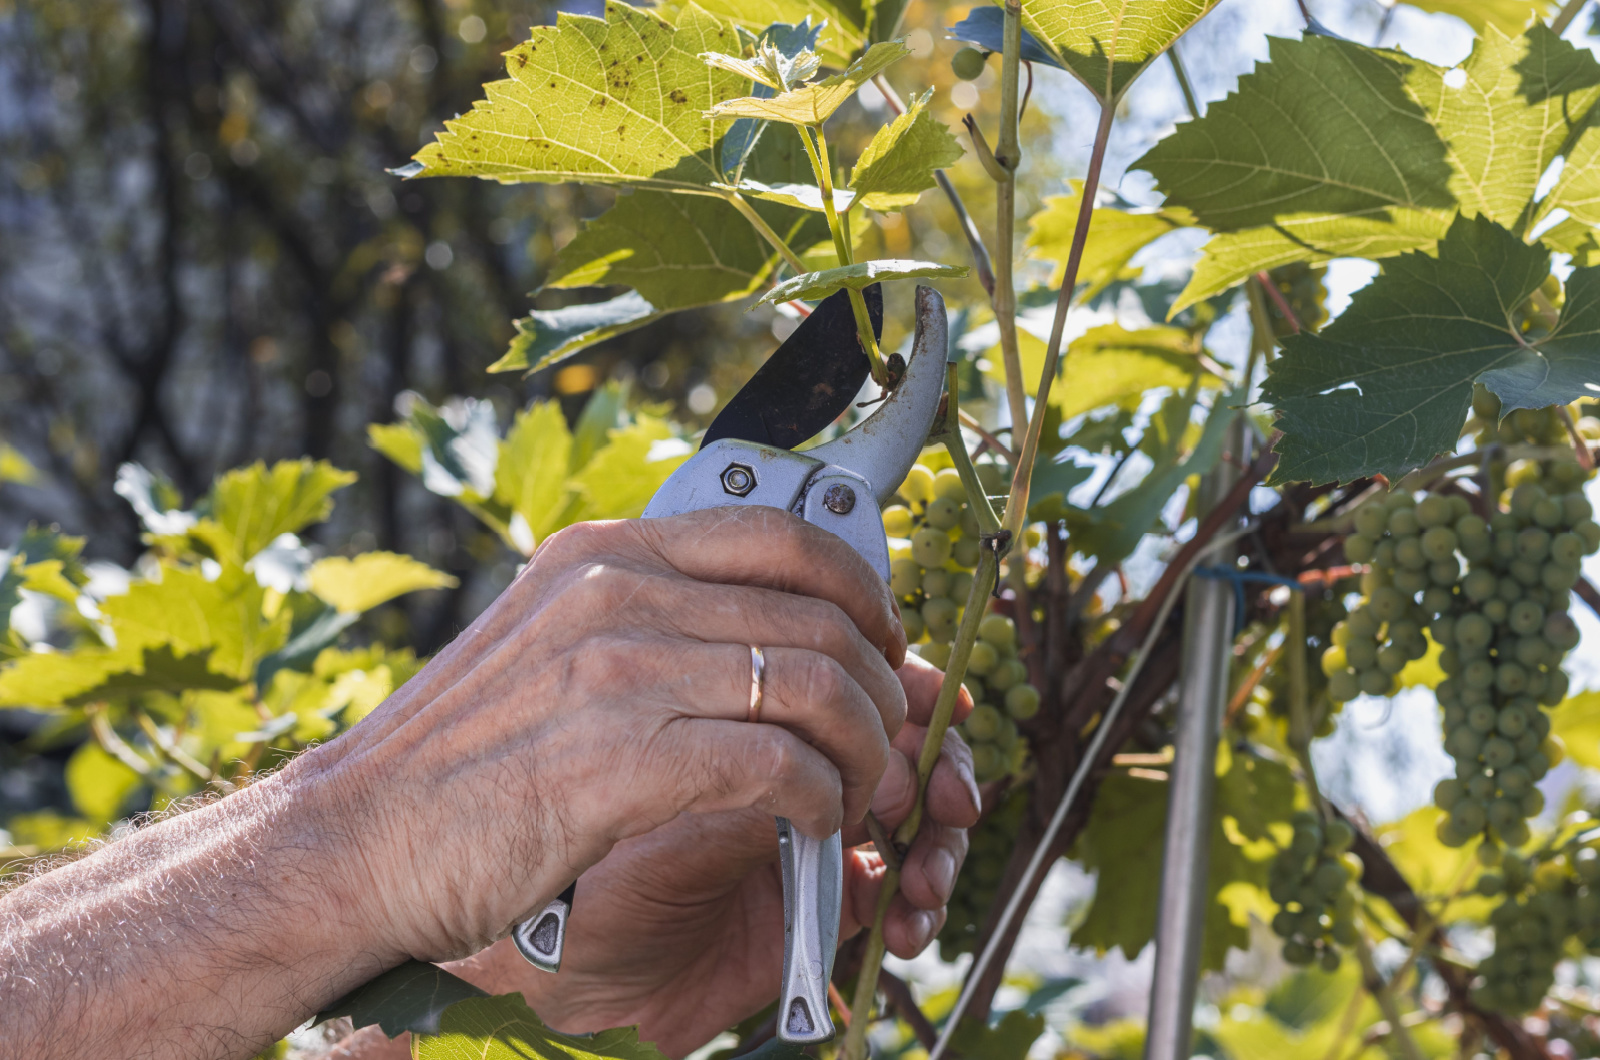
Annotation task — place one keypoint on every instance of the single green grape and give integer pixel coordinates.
(968, 64)
(930, 547)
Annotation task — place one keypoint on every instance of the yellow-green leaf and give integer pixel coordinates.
(815, 103)
(1577, 722)
(372, 578)
(841, 25)
(813, 285)
(1107, 45)
(99, 782)
(531, 476)
(1115, 236)
(505, 1028)
(187, 613)
(253, 505)
(400, 442)
(1508, 16)
(14, 467)
(618, 100)
(621, 478)
(898, 165)
(677, 251)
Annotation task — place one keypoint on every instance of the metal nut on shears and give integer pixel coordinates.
(739, 479)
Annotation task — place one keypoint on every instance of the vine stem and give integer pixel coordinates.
(1008, 156)
(983, 582)
(1017, 504)
(818, 154)
(1564, 17)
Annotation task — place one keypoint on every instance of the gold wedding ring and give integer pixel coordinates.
(758, 674)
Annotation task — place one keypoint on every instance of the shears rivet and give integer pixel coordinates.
(839, 499)
(739, 479)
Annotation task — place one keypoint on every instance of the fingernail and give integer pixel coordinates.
(923, 925)
(964, 770)
(942, 874)
(898, 786)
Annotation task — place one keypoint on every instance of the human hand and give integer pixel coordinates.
(603, 694)
(680, 931)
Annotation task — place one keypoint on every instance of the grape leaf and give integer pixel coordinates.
(1386, 386)
(1326, 149)
(1508, 16)
(622, 477)
(1397, 147)
(619, 100)
(1123, 845)
(1523, 98)
(531, 477)
(1008, 1039)
(814, 285)
(410, 997)
(676, 251)
(742, 135)
(799, 195)
(55, 679)
(1115, 236)
(841, 34)
(898, 165)
(813, 104)
(185, 612)
(1106, 45)
(363, 582)
(985, 28)
(249, 507)
(99, 782)
(1576, 238)
(1577, 722)
(1110, 364)
(505, 1028)
(545, 337)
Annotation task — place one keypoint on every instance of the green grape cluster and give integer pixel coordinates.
(998, 681)
(991, 842)
(1310, 880)
(1495, 595)
(1545, 905)
(931, 583)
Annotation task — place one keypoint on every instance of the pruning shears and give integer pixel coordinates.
(747, 457)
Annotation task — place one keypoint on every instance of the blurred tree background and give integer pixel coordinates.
(207, 263)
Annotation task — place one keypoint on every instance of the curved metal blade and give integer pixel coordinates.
(807, 382)
(882, 448)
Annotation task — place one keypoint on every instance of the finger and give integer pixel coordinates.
(771, 548)
(804, 692)
(921, 681)
(739, 614)
(732, 765)
(928, 873)
(908, 930)
(952, 796)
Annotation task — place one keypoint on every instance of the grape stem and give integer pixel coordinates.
(983, 579)
(817, 154)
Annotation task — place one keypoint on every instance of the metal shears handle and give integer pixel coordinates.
(813, 879)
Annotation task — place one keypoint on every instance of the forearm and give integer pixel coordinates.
(210, 934)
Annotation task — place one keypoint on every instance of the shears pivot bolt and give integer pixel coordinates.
(839, 499)
(739, 479)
